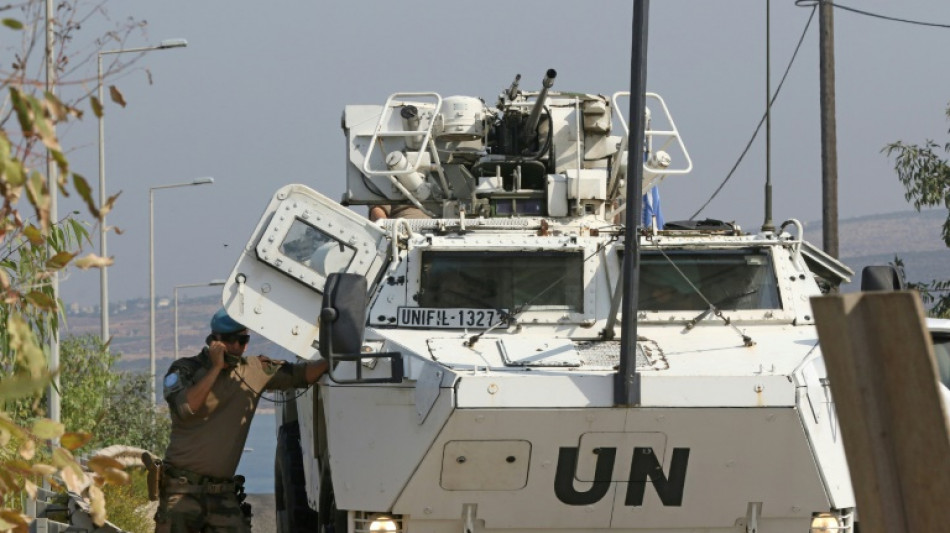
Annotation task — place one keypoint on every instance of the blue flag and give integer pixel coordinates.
(651, 208)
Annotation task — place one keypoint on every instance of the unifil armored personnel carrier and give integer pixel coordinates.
(475, 346)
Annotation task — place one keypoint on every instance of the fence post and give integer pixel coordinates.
(881, 366)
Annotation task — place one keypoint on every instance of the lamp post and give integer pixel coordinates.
(212, 283)
(53, 395)
(103, 275)
(151, 273)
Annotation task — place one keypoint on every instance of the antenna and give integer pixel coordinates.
(768, 226)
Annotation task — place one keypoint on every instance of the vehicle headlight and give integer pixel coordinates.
(382, 523)
(825, 523)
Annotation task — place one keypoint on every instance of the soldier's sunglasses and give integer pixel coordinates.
(242, 339)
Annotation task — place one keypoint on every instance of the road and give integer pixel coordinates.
(265, 516)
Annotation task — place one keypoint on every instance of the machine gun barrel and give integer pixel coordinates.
(509, 94)
(532, 124)
(513, 90)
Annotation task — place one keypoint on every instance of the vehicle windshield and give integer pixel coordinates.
(513, 281)
(729, 279)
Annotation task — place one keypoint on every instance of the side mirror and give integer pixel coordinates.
(342, 321)
(881, 278)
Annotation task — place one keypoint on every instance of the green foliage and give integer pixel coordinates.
(25, 373)
(87, 378)
(937, 295)
(30, 309)
(113, 406)
(939, 307)
(110, 407)
(130, 419)
(13, 24)
(124, 504)
(926, 179)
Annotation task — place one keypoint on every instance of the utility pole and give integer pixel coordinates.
(829, 137)
(627, 380)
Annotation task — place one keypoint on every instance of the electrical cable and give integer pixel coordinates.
(549, 139)
(260, 393)
(761, 121)
(814, 3)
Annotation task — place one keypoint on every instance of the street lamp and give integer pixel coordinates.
(151, 273)
(103, 276)
(212, 283)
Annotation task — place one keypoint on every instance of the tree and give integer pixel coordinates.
(87, 380)
(926, 178)
(112, 405)
(34, 247)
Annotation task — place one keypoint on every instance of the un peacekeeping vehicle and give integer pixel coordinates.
(474, 348)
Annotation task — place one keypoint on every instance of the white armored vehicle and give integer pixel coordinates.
(475, 348)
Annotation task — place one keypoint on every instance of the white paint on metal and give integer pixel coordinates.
(427, 389)
(274, 294)
(376, 441)
(727, 469)
(485, 465)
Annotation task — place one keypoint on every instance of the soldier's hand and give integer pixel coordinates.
(216, 350)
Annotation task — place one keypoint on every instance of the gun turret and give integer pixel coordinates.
(532, 124)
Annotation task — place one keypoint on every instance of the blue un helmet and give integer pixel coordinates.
(223, 324)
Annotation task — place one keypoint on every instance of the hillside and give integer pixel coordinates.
(893, 232)
(915, 237)
(875, 240)
(129, 326)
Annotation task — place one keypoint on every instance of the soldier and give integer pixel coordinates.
(377, 212)
(212, 398)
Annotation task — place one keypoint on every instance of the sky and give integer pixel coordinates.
(255, 101)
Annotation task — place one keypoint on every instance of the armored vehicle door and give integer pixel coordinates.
(277, 285)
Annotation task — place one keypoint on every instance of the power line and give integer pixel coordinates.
(812, 3)
(762, 120)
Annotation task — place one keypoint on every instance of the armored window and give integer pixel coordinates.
(515, 281)
(314, 249)
(729, 279)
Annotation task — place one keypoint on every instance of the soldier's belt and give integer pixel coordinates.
(180, 481)
(177, 485)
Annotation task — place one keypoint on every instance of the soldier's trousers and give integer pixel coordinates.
(204, 513)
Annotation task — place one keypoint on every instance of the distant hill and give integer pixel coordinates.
(870, 240)
(904, 231)
(129, 327)
(877, 239)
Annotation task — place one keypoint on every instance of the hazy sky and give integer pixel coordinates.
(255, 101)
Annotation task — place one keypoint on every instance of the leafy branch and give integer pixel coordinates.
(925, 175)
(34, 248)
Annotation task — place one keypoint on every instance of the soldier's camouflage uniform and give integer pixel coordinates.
(198, 489)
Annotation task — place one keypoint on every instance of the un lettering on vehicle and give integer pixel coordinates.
(454, 318)
(634, 461)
